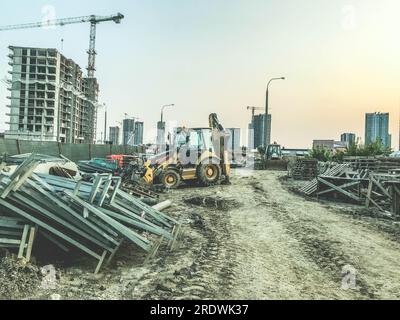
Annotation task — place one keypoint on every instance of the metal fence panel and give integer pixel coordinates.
(48, 148)
(8, 146)
(74, 152)
(100, 151)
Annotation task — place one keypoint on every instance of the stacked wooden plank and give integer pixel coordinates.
(16, 233)
(374, 164)
(139, 191)
(337, 170)
(304, 169)
(373, 181)
(394, 189)
(383, 193)
(347, 189)
(93, 218)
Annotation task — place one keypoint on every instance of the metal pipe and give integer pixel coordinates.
(162, 205)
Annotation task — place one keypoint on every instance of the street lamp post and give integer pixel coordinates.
(105, 123)
(162, 110)
(161, 127)
(266, 142)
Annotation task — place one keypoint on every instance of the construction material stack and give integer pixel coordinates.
(304, 169)
(91, 218)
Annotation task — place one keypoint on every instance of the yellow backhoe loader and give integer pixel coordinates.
(193, 154)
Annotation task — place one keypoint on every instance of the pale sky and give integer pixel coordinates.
(341, 60)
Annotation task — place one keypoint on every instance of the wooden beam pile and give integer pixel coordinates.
(304, 169)
(394, 188)
(94, 218)
(16, 233)
(337, 170)
(383, 193)
(341, 188)
(356, 182)
(373, 164)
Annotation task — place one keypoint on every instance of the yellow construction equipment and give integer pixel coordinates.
(272, 159)
(193, 154)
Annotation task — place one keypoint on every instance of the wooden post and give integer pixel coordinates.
(30, 243)
(369, 192)
(23, 242)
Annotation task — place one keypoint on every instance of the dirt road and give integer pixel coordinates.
(257, 240)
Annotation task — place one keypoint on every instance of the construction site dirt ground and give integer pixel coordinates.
(253, 239)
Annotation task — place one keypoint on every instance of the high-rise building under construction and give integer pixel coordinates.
(50, 98)
(128, 132)
(139, 126)
(256, 137)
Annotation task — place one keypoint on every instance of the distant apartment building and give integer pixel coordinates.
(348, 138)
(160, 135)
(128, 132)
(50, 99)
(377, 128)
(138, 137)
(329, 144)
(114, 135)
(233, 142)
(256, 132)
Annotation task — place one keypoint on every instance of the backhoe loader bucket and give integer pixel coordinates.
(276, 165)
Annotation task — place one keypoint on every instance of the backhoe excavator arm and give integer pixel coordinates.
(219, 139)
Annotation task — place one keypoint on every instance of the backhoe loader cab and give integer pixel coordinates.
(194, 139)
(274, 152)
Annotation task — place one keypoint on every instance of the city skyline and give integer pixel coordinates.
(339, 57)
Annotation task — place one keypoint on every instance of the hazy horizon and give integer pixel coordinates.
(340, 58)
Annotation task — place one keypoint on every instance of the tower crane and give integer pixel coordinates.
(253, 110)
(93, 20)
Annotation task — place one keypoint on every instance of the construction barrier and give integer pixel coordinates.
(74, 152)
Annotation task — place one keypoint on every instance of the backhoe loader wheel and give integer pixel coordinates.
(209, 174)
(171, 179)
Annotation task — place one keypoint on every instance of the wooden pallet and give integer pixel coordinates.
(15, 233)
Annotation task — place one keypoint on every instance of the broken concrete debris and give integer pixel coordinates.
(91, 217)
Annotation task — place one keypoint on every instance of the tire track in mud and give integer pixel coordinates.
(209, 271)
(324, 252)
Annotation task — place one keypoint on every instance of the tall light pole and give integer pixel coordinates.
(161, 128)
(266, 142)
(105, 123)
(162, 110)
